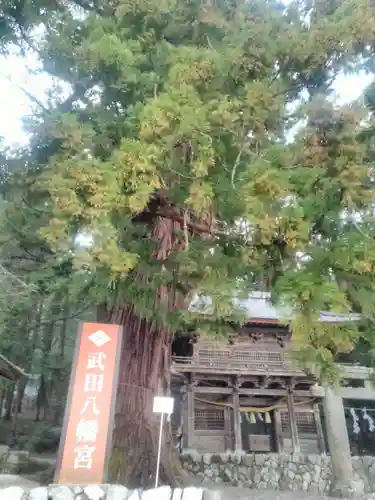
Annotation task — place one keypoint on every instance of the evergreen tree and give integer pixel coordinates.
(171, 153)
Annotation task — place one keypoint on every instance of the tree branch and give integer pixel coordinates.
(70, 316)
(44, 152)
(194, 227)
(32, 98)
(84, 4)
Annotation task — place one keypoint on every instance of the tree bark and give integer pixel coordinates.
(144, 373)
(9, 403)
(21, 392)
(342, 469)
(60, 375)
(41, 398)
(33, 338)
(2, 400)
(47, 340)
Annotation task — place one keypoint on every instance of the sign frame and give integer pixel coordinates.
(163, 404)
(94, 479)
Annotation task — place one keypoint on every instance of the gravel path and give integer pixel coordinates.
(8, 480)
(234, 493)
(248, 494)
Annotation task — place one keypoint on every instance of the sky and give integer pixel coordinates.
(15, 104)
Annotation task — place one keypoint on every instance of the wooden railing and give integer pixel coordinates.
(253, 362)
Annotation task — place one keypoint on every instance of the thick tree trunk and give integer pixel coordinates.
(144, 373)
(343, 484)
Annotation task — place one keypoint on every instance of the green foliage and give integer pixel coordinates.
(179, 112)
(45, 439)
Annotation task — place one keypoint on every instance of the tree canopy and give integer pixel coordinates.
(199, 153)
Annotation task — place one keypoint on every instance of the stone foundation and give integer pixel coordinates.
(311, 473)
(281, 472)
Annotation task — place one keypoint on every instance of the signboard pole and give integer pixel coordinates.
(159, 450)
(164, 406)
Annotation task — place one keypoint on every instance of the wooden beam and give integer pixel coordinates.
(286, 371)
(251, 392)
(213, 390)
(215, 376)
(293, 423)
(263, 392)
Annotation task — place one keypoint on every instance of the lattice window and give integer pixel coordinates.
(242, 356)
(285, 422)
(305, 421)
(213, 353)
(258, 358)
(273, 357)
(223, 357)
(262, 356)
(209, 420)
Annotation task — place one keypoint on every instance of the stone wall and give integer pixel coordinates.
(12, 461)
(105, 492)
(297, 472)
(310, 473)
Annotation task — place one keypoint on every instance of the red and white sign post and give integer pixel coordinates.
(86, 439)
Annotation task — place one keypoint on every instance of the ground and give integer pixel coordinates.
(244, 493)
(8, 480)
(234, 493)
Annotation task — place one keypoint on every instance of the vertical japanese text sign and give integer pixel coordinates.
(88, 424)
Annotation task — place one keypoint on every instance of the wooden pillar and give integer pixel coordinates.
(319, 429)
(278, 431)
(237, 420)
(293, 423)
(228, 429)
(184, 412)
(190, 416)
